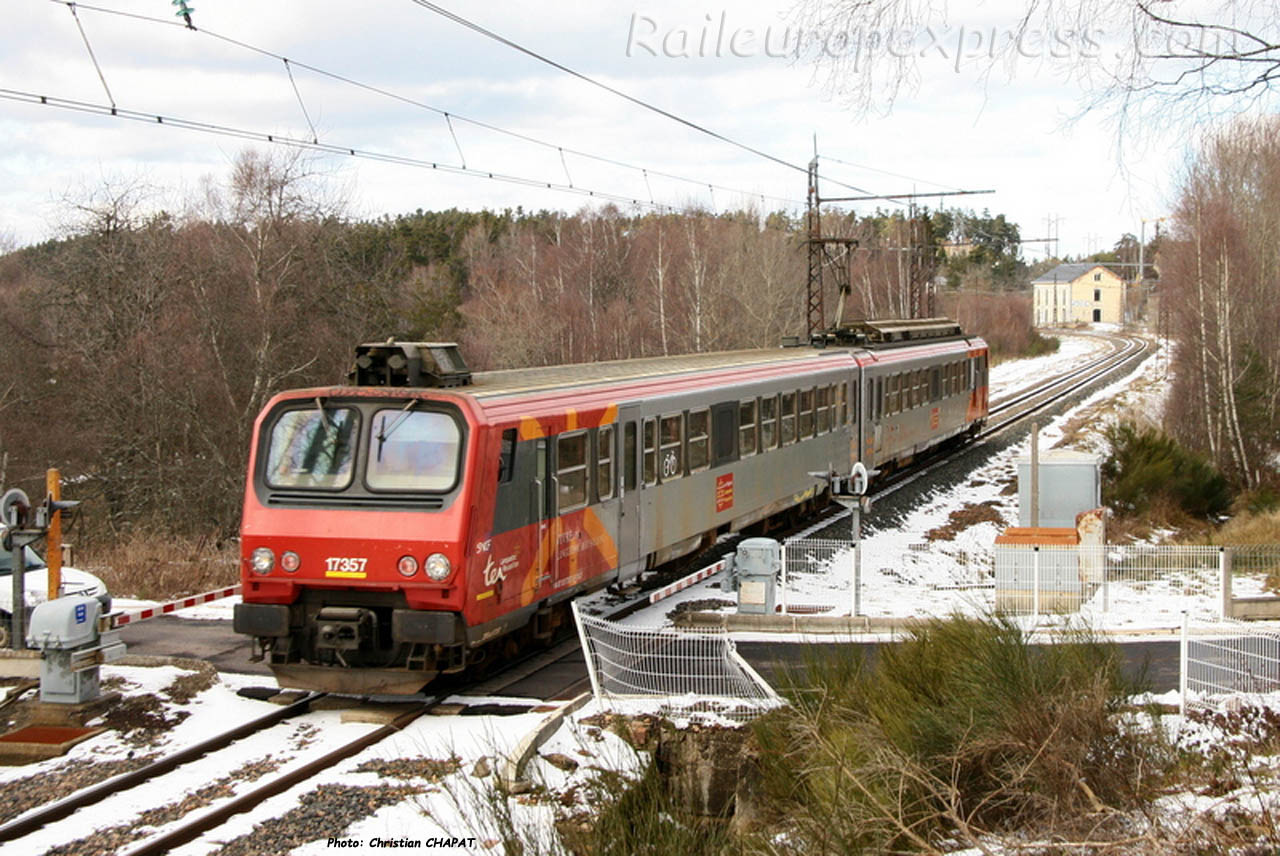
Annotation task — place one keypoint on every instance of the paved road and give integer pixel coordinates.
(214, 641)
(228, 651)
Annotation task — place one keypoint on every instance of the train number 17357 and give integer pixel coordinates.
(345, 564)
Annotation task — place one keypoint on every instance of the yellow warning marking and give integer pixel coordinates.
(484, 595)
(610, 415)
(570, 419)
(530, 429)
(347, 575)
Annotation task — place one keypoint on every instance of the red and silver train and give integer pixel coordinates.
(422, 518)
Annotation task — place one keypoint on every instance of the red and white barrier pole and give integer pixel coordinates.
(173, 606)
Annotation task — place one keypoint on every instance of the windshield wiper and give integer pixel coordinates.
(329, 430)
(384, 433)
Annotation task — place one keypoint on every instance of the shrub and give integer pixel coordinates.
(961, 730)
(1147, 469)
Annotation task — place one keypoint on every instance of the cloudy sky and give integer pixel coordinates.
(729, 69)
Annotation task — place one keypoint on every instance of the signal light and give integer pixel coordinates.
(290, 561)
(407, 566)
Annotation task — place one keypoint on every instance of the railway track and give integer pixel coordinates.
(1010, 410)
(24, 830)
(203, 820)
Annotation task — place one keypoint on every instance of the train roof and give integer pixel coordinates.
(493, 384)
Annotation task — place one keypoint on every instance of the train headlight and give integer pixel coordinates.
(290, 561)
(407, 566)
(262, 560)
(438, 567)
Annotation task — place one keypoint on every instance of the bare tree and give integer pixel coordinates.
(1220, 273)
(1135, 58)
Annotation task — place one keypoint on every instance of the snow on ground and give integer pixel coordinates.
(442, 753)
(904, 575)
(1073, 350)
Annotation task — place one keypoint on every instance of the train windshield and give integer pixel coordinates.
(312, 448)
(413, 450)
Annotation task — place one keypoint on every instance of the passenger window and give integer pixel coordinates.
(571, 471)
(806, 413)
(788, 418)
(629, 457)
(604, 463)
(699, 440)
(769, 423)
(507, 456)
(671, 447)
(891, 403)
(747, 428)
(650, 452)
(823, 414)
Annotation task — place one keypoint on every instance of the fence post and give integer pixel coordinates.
(1035, 581)
(1182, 667)
(1106, 578)
(783, 552)
(1224, 570)
(587, 653)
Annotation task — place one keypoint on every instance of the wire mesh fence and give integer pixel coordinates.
(1114, 585)
(1227, 660)
(689, 672)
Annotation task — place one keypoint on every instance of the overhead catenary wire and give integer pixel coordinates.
(449, 116)
(689, 123)
(88, 47)
(310, 145)
(315, 138)
(887, 172)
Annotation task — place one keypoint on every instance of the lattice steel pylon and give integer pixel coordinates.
(815, 312)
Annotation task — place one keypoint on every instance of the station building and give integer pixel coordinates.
(1078, 293)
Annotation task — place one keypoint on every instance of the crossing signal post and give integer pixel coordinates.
(851, 492)
(26, 523)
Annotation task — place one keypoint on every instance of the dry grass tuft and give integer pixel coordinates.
(163, 567)
(962, 518)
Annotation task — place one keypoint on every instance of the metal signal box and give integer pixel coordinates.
(68, 633)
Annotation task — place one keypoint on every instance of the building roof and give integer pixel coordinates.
(1070, 272)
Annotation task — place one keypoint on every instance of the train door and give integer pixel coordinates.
(875, 409)
(543, 490)
(629, 452)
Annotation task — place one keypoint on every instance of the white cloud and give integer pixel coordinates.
(1005, 135)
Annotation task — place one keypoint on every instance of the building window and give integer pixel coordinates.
(1097, 295)
(1097, 277)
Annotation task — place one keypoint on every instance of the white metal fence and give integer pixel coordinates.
(1116, 585)
(1227, 660)
(689, 672)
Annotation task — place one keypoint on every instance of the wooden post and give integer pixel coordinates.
(53, 484)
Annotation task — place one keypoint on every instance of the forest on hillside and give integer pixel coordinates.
(144, 341)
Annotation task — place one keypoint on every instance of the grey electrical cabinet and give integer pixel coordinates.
(1070, 482)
